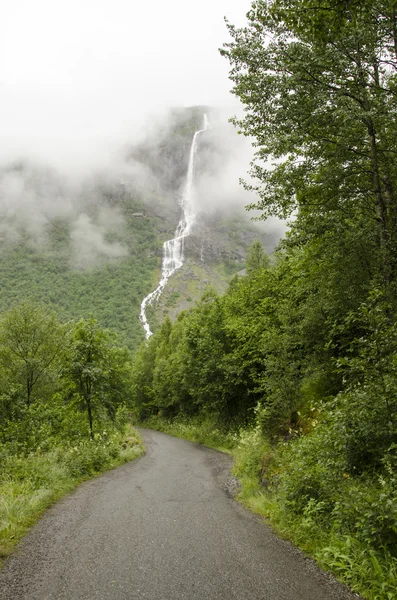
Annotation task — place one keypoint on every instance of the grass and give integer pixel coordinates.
(369, 572)
(198, 431)
(29, 485)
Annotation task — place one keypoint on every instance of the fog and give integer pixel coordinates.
(83, 82)
(225, 158)
(77, 79)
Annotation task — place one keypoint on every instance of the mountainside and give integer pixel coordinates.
(221, 232)
(95, 246)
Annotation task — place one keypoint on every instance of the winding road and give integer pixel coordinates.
(164, 527)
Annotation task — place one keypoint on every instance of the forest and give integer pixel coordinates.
(295, 366)
(63, 393)
(109, 288)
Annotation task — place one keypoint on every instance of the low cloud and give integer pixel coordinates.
(83, 83)
(224, 159)
(89, 245)
(32, 197)
(29, 199)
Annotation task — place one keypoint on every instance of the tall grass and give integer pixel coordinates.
(30, 484)
(200, 431)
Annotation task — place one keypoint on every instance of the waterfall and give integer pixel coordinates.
(173, 250)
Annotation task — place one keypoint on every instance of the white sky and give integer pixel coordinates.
(80, 75)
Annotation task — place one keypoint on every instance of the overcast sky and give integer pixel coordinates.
(79, 75)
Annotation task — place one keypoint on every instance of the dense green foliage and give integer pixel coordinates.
(111, 290)
(96, 372)
(304, 351)
(58, 381)
(321, 105)
(64, 390)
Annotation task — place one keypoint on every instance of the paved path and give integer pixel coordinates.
(164, 527)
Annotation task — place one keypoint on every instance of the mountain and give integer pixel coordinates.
(94, 245)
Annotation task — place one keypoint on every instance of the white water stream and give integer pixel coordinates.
(173, 250)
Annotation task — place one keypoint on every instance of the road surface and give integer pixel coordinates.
(164, 527)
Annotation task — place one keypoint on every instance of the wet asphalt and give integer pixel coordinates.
(164, 527)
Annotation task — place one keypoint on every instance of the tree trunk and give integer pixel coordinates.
(28, 391)
(89, 411)
(394, 25)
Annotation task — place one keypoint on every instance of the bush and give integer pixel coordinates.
(30, 482)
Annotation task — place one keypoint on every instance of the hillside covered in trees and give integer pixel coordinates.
(92, 245)
(302, 351)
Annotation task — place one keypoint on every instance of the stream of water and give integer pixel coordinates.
(173, 250)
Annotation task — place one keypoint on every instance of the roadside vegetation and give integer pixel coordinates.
(296, 364)
(112, 289)
(63, 395)
(352, 547)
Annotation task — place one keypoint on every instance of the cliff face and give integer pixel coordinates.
(214, 253)
(222, 230)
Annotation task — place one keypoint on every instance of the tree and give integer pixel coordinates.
(142, 377)
(319, 80)
(31, 344)
(257, 259)
(96, 372)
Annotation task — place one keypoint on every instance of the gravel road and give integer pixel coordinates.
(164, 527)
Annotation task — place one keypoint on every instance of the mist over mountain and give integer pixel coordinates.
(115, 217)
(153, 169)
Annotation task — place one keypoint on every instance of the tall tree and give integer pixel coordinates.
(96, 372)
(31, 344)
(318, 80)
(256, 259)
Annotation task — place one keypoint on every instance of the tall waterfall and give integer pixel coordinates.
(173, 250)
